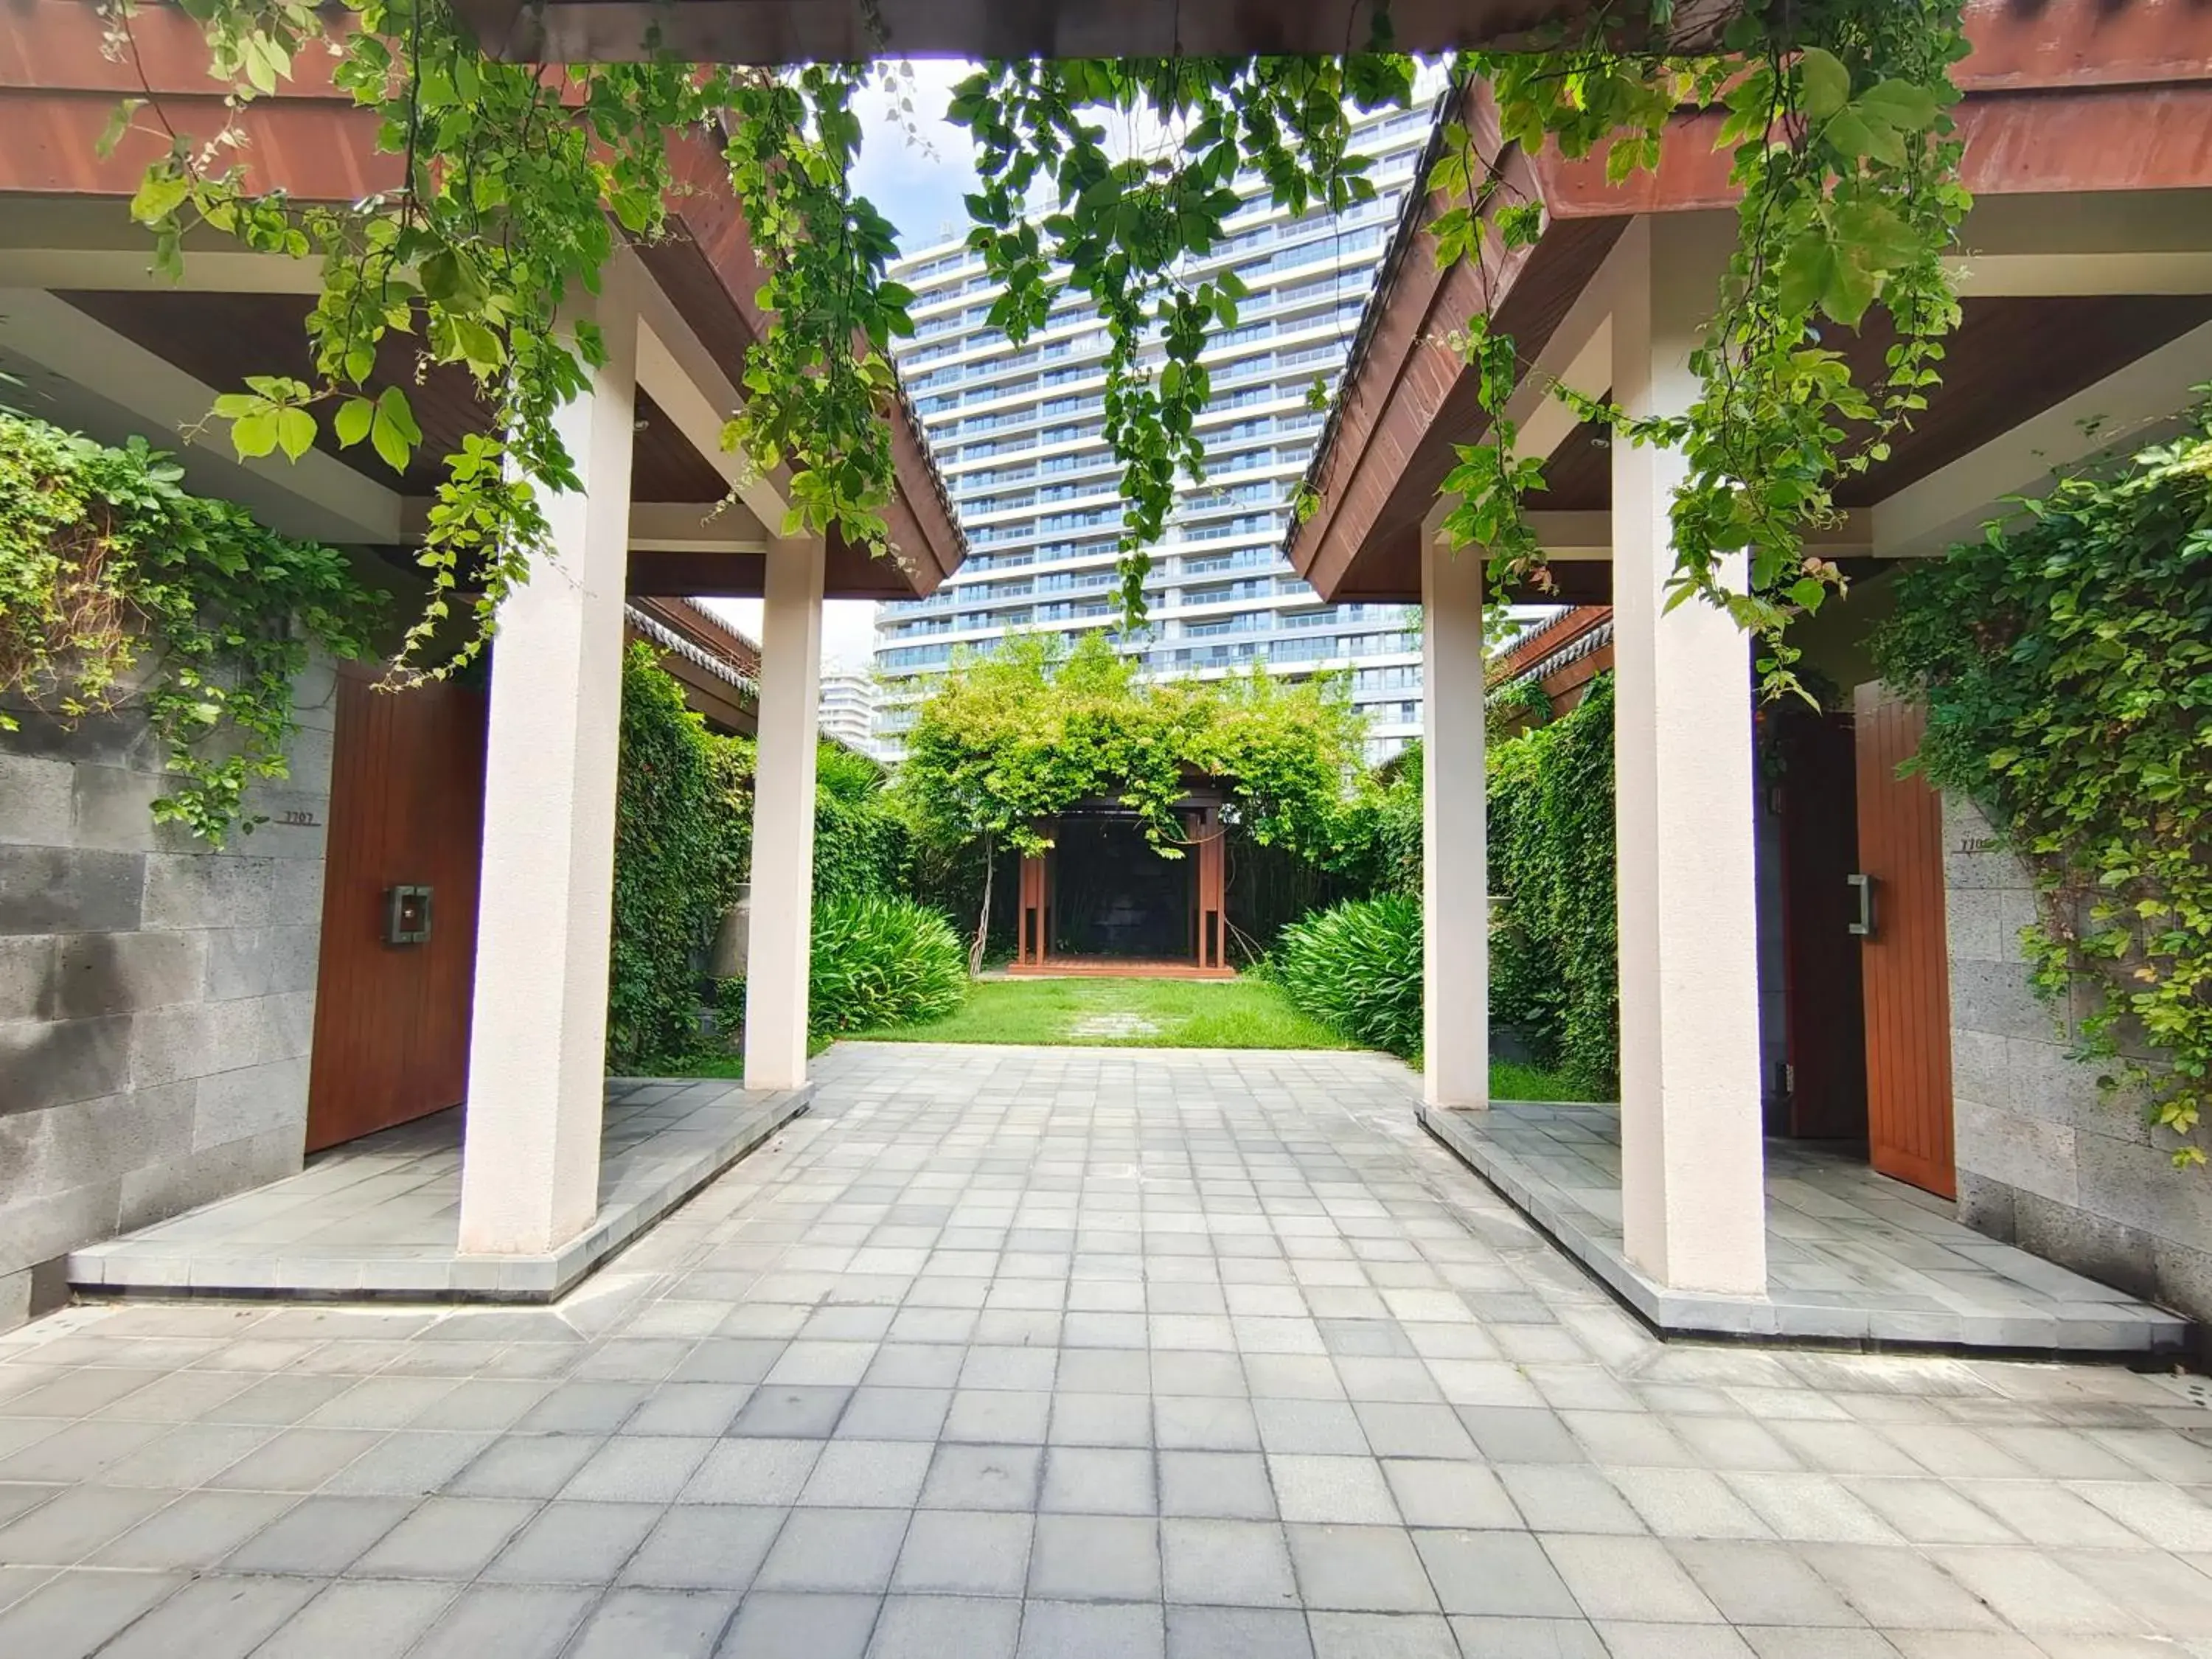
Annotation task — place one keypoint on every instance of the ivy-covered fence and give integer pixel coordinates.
(2066, 663)
(682, 846)
(682, 836)
(1554, 947)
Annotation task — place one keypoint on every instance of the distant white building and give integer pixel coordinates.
(849, 708)
(1018, 432)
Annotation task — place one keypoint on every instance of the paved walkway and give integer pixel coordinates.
(1069, 1354)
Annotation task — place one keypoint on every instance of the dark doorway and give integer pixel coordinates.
(1825, 1023)
(1112, 895)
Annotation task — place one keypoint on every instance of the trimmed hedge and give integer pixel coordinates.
(1357, 968)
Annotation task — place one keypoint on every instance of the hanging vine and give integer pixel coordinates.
(2066, 663)
(1846, 161)
(512, 180)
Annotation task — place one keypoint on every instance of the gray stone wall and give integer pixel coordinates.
(157, 996)
(2046, 1160)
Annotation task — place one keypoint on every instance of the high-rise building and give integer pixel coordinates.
(1017, 432)
(846, 709)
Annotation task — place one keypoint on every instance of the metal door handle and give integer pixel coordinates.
(1861, 886)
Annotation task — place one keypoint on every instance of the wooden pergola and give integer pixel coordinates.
(1038, 920)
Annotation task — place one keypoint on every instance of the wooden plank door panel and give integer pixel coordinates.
(391, 1021)
(1905, 960)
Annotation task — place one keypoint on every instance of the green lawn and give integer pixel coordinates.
(1145, 1013)
(1123, 1013)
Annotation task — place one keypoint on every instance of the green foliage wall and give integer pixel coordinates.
(1554, 949)
(683, 816)
(861, 843)
(120, 589)
(2066, 663)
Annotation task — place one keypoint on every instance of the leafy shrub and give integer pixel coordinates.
(1357, 968)
(682, 816)
(882, 961)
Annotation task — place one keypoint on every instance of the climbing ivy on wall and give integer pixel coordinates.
(2066, 662)
(513, 178)
(683, 823)
(120, 591)
(1554, 945)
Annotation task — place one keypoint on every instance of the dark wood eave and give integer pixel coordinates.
(310, 140)
(2062, 96)
(846, 31)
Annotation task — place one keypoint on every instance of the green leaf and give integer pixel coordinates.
(1824, 84)
(118, 123)
(256, 434)
(161, 193)
(392, 432)
(351, 423)
(295, 432)
(1902, 104)
(1858, 139)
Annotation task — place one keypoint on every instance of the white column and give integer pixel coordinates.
(529, 1159)
(1692, 1194)
(783, 819)
(1454, 864)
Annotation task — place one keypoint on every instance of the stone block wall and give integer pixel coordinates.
(2046, 1160)
(157, 996)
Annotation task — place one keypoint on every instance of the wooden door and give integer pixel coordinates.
(391, 1020)
(1824, 1019)
(1904, 958)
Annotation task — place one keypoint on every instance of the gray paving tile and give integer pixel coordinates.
(365, 1620)
(524, 1466)
(1095, 1558)
(705, 1546)
(746, 1471)
(1764, 1583)
(447, 1538)
(844, 1550)
(771, 1626)
(319, 1535)
(983, 1477)
(1216, 1633)
(964, 1552)
(1631, 1580)
(1359, 1569)
(666, 1623)
(1226, 1562)
(1382, 1636)
(935, 1627)
(507, 1621)
(569, 1543)
(73, 1612)
(196, 1530)
(1099, 1480)
(1348, 1490)
(75, 1524)
(1074, 1629)
(1527, 1638)
(214, 1618)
